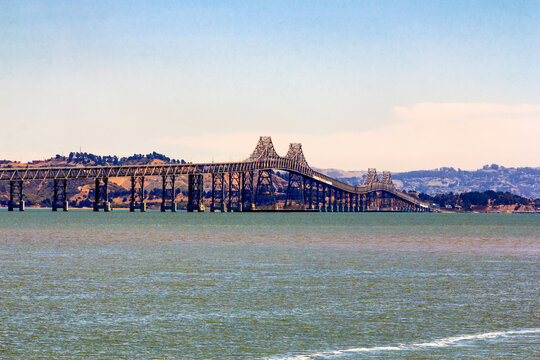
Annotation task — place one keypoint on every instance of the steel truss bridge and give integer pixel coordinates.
(236, 186)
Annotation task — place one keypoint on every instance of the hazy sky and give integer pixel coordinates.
(397, 85)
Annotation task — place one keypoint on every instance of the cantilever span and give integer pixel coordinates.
(236, 186)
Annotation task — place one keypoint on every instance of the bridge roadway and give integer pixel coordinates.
(259, 161)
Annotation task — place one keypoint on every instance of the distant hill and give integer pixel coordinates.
(524, 181)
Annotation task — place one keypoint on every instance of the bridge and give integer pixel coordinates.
(235, 186)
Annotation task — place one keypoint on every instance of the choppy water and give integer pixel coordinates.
(269, 286)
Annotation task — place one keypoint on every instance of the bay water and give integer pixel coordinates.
(120, 285)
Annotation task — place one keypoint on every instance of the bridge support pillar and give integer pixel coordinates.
(168, 193)
(195, 193)
(235, 192)
(16, 195)
(295, 191)
(137, 194)
(328, 199)
(308, 193)
(247, 193)
(324, 203)
(101, 194)
(55, 195)
(217, 202)
(367, 202)
(97, 190)
(264, 194)
(316, 188)
(55, 201)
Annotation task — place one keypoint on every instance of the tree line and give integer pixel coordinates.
(467, 200)
(86, 158)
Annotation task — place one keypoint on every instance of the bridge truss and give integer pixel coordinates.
(236, 186)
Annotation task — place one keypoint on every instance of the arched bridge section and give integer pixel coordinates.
(235, 186)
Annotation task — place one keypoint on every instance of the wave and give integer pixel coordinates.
(438, 343)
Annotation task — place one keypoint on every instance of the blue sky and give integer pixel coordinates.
(201, 80)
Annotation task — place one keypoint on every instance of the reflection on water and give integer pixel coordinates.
(302, 286)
